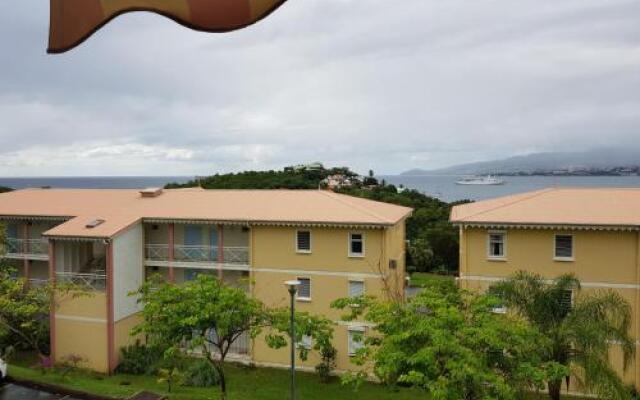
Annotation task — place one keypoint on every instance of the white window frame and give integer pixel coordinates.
(302, 298)
(357, 255)
(304, 251)
(573, 248)
(305, 343)
(490, 256)
(360, 330)
(356, 280)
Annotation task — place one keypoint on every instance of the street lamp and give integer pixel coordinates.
(292, 286)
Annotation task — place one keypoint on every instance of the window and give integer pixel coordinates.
(356, 245)
(501, 309)
(496, 245)
(356, 340)
(305, 343)
(356, 288)
(303, 241)
(564, 247)
(304, 290)
(566, 300)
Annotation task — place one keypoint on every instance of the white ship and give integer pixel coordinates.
(481, 180)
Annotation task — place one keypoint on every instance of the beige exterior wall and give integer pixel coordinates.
(329, 269)
(602, 260)
(122, 333)
(81, 329)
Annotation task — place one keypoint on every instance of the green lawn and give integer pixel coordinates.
(244, 383)
(419, 279)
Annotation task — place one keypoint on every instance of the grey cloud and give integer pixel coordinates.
(366, 83)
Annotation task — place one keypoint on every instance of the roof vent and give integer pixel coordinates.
(151, 192)
(94, 223)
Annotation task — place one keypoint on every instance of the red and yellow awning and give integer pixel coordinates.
(73, 21)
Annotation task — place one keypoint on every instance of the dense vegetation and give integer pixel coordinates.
(433, 240)
(455, 344)
(286, 179)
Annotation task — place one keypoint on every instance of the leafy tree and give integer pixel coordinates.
(579, 334)
(24, 313)
(450, 343)
(210, 317)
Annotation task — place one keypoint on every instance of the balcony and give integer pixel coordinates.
(198, 254)
(89, 281)
(34, 249)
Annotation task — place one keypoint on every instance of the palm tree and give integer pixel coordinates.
(580, 328)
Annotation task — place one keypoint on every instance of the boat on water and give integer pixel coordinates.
(481, 180)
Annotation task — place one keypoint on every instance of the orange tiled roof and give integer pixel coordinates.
(121, 208)
(557, 206)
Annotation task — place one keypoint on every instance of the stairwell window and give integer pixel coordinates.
(566, 300)
(496, 246)
(356, 245)
(563, 249)
(303, 242)
(304, 290)
(356, 288)
(305, 343)
(355, 340)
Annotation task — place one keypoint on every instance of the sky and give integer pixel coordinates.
(370, 84)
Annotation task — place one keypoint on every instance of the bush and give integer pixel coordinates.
(201, 374)
(328, 363)
(139, 359)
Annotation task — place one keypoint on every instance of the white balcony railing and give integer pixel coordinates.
(184, 253)
(36, 282)
(89, 281)
(39, 247)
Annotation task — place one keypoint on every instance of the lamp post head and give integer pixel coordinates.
(292, 286)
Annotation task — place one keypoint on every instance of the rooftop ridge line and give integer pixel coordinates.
(339, 199)
(532, 195)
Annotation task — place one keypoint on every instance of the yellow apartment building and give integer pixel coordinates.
(111, 240)
(593, 233)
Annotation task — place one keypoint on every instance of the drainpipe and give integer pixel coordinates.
(26, 249)
(172, 244)
(52, 313)
(220, 252)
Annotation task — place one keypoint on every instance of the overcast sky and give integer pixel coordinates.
(380, 84)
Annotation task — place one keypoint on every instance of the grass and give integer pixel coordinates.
(419, 279)
(243, 383)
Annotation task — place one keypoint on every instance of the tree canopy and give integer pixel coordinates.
(580, 328)
(207, 316)
(450, 343)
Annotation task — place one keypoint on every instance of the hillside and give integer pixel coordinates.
(612, 161)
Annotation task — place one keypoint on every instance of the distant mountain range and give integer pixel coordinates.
(594, 162)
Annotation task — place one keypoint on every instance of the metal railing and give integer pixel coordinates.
(27, 246)
(196, 253)
(239, 347)
(35, 282)
(89, 281)
(185, 253)
(157, 252)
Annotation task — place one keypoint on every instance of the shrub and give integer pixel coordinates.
(139, 359)
(71, 363)
(201, 374)
(328, 363)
